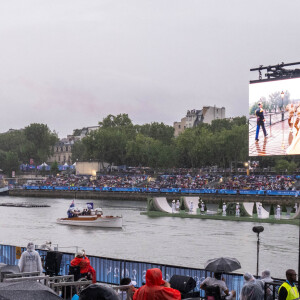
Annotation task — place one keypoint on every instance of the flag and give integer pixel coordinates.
(72, 204)
(90, 205)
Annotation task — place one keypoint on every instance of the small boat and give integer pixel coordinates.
(93, 221)
(4, 190)
(90, 217)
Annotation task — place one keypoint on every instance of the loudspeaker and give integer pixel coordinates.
(52, 263)
(183, 284)
(75, 271)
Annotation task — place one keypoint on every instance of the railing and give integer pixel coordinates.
(271, 290)
(67, 289)
(170, 190)
(20, 275)
(111, 271)
(43, 279)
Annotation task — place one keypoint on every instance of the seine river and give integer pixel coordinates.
(175, 241)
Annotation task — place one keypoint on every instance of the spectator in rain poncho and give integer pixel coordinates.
(266, 278)
(127, 294)
(156, 288)
(30, 260)
(252, 289)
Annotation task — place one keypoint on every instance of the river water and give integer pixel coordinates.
(175, 241)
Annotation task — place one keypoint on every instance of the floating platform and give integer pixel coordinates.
(159, 207)
(27, 205)
(223, 218)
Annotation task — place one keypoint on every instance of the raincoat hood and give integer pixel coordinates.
(154, 277)
(154, 289)
(30, 247)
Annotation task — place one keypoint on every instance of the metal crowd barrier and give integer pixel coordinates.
(67, 289)
(44, 279)
(20, 275)
(111, 271)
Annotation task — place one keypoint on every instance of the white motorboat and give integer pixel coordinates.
(90, 217)
(4, 190)
(93, 221)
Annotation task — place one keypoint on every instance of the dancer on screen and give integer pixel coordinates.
(260, 121)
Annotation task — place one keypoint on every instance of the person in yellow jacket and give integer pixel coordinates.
(288, 290)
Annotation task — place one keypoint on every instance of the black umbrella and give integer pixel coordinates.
(222, 264)
(26, 290)
(98, 291)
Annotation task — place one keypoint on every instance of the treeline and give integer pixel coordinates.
(19, 146)
(118, 141)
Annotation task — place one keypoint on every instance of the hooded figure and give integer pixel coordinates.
(266, 278)
(252, 288)
(155, 288)
(30, 260)
(83, 262)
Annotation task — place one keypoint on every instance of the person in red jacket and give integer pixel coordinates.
(156, 288)
(86, 270)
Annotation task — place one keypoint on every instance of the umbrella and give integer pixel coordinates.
(222, 264)
(26, 290)
(97, 291)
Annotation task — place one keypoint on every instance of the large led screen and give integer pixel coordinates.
(274, 117)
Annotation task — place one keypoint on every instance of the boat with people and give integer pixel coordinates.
(4, 190)
(90, 217)
(3, 186)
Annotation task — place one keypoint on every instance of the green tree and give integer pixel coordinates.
(157, 131)
(11, 163)
(79, 151)
(282, 165)
(40, 141)
(54, 168)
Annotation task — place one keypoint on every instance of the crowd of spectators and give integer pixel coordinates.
(259, 182)
(184, 181)
(99, 181)
(187, 181)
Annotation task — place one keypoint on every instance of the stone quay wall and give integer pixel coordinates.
(208, 198)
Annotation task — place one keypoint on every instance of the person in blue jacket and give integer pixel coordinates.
(260, 121)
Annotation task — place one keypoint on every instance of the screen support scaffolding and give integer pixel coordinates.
(276, 72)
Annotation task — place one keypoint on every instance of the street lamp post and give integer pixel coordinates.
(258, 230)
(247, 165)
(282, 119)
(282, 110)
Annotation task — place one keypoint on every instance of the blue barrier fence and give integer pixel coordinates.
(165, 190)
(109, 270)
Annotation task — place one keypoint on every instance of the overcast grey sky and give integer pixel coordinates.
(69, 63)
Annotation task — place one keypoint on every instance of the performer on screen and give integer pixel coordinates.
(260, 121)
(291, 109)
(297, 110)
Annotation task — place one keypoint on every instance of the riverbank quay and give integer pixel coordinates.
(288, 200)
(111, 270)
(157, 214)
